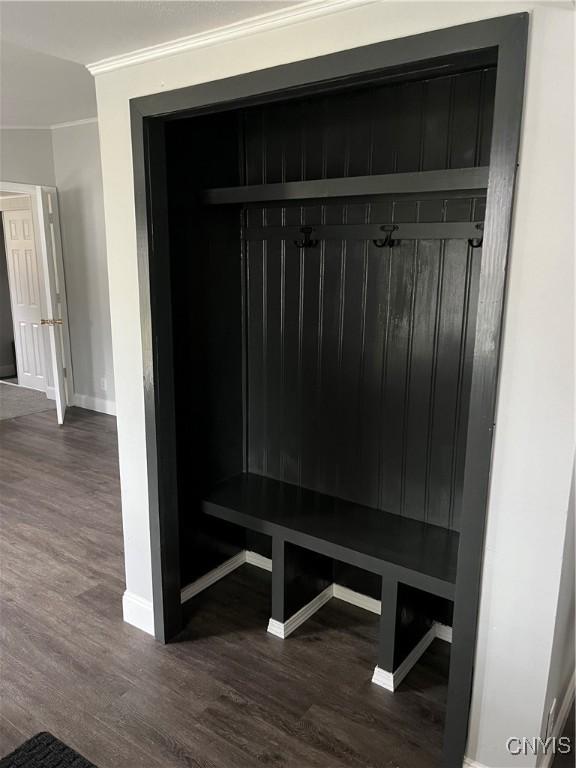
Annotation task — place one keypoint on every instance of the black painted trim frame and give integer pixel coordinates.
(507, 36)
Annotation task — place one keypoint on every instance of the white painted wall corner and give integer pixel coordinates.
(94, 404)
(138, 612)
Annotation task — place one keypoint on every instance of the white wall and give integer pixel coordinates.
(534, 441)
(561, 676)
(26, 156)
(68, 157)
(78, 177)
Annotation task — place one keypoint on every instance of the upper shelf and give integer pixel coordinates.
(452, 180)
(412, 551)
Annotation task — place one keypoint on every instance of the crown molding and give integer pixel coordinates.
(24, 127)
(73, 123)
(284, 17)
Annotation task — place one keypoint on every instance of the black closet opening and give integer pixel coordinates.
(337, 358)
(322, 259)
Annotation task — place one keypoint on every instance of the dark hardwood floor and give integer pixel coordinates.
(228, 695)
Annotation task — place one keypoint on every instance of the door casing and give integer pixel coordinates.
(45, 217)
(25, 278)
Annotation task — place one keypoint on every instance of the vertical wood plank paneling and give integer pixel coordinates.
(334, 139)
(290, 344)
(467, 352)
(350, 384)
(347, 331)
(420, 382)
(255, 362)
(273, 357)
(329, 356)
(409, 310)
(309, 384)
(253, 146)
(395, 364)
(377, 291)
(487, 116)
(311, 122)
(358, 357)
(465, 123)
(436, 123)
(272, 148)
(383, 152)
(446, 382)
(359, 131)
(294, 147)
(435, 132)
(407, 126)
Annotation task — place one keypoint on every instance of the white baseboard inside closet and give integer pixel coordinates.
(337, 591)
(283, 629)
(391, 680)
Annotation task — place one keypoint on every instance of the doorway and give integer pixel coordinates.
(8, 368)
(23, 353)
(34, 339)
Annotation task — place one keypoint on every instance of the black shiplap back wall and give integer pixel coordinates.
(357, 356)
(443, 122)
(356, 363)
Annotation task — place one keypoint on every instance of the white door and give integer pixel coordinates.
(56, 320)
(25, 278)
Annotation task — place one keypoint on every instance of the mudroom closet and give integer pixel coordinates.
(325, 256)
(314, 280)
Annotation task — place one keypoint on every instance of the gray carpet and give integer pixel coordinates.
(44, 751)
(18, 401)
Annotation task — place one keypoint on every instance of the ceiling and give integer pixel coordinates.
(44, 47)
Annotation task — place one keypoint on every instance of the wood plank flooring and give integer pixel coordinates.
(228, 695)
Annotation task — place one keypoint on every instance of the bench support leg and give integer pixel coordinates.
(384, 671)
(278, 591)
(301, 584)
(398, 653)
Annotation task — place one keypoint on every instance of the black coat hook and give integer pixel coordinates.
(387, 241)
(307, 242)
(476, 242)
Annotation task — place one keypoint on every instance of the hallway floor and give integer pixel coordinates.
(19, 401)
(228, 695)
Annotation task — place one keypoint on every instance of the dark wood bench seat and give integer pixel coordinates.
(410, 551)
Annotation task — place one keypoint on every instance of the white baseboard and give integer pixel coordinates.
(212, 576)
(138, 612)
(94, 404)
(282, 630)
(391, 680)
(253, 558)
(51, 393)
(561, 719)
(472, 764)
(357, 598)
(383, 678)
(276, 628)
(7, 371)
(443, 632)
(565, 707)
(559, 725)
